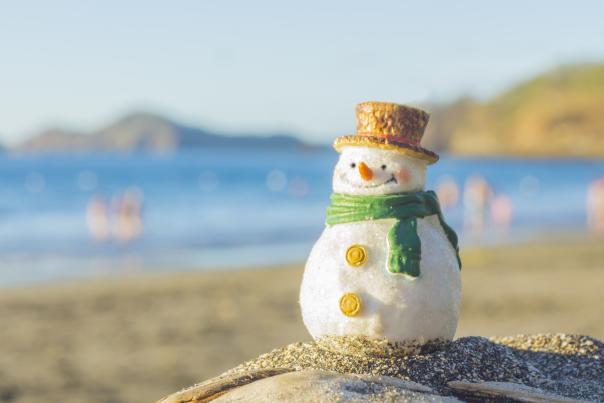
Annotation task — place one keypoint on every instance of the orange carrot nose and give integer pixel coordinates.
(365, 171)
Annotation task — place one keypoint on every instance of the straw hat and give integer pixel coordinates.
(389, 126)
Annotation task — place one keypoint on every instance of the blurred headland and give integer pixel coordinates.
(556, 114)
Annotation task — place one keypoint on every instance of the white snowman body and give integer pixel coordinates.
(393, 306)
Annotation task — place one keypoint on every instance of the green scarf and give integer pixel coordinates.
(404, 243)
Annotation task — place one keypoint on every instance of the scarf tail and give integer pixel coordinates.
(405, 248)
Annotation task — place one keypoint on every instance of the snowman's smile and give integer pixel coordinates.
(391, 180)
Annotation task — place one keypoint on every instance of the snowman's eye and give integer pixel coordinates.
(383, 167)
(353, 165)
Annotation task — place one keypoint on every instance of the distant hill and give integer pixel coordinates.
(148, 132)
(560, 113)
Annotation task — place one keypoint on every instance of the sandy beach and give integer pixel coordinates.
(137, 339)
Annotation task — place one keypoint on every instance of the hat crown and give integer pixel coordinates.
(390, 120)
(389, 126)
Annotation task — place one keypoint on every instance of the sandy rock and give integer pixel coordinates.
(525, 368)
(322, 386)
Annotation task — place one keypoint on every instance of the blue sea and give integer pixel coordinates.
(225, 208)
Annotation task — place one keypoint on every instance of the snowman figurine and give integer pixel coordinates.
(387, 265)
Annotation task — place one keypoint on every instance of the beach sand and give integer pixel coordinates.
(137, 339)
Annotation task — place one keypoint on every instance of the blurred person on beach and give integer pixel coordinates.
(128, 222)
(97, 218)
(477, 194)
(501, 211)
(448, 193)
(595, 206)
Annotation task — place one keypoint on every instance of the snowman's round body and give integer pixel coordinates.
(351, 259)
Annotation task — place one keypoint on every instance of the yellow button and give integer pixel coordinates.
(350, 304)
(356, 255)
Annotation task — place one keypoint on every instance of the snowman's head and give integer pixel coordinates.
(375, 171)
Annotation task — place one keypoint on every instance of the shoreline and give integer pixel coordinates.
(106, 268)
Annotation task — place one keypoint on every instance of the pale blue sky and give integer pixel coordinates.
(269, 65)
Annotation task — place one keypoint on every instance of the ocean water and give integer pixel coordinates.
(221, 209)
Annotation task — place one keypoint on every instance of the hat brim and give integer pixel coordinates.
(385, 144)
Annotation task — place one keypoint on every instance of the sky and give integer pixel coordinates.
(271, 65)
